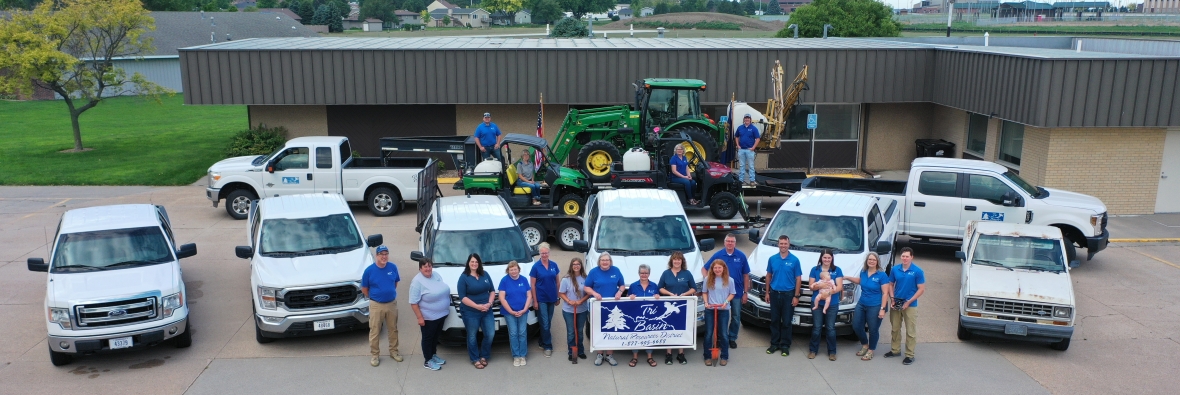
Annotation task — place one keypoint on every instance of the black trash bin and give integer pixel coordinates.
(936, 148)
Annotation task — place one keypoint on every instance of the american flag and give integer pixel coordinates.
(540, 130)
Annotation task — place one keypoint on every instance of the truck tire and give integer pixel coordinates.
(1061, 345)
(963, 333)
(572, 204)
(237, 203)
(704, 145)
(59, 358)
(383, 201)
(534, 233)
(186, 339)
(595, 159)
(258, 335)
(1071, 251)
(567, 233)
(724, 205)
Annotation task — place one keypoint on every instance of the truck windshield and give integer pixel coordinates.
(494, 246)
(842, 234)
(667, 233)
(262, 158)
(1030, 189)
(309, 236)
(110, 249)
(1019, 253)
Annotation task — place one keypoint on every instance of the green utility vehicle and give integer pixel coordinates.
(662, 106)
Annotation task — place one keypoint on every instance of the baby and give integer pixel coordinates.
(824, 294)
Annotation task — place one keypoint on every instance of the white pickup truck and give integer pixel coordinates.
(384, 184)
(850, 224)
(307, 256)
(114, 282)
(1016, 284)
(943, 195)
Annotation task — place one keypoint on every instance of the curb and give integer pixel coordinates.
(1144, 240)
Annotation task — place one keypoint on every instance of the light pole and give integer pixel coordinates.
(950, 10)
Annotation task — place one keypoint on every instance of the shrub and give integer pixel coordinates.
(614, 18)
(257, 141)
(712, 25)
(569, 27)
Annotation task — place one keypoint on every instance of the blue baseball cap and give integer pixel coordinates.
(381, 249)
(747, 116)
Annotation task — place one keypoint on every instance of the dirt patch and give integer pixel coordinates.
(747, 23)
(74, 151)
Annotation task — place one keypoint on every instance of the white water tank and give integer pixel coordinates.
(636, 159)
(490, 166)
(739, 111)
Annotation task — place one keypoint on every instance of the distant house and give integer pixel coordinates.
(408, 17)
(440, 5)
(625, 13)
(473, 17)
(646, 11)
(353, 20)
(524, 17)
(1025, 10)
(500, 18)
(372, 25)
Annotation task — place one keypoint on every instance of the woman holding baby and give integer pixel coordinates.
(827, 284)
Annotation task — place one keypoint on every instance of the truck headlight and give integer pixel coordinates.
(1096, 222)
(266, 297)
(849, 294)
(171, 303)
(1062, 312)
(974, 304)
(213, 177)
(61, 317)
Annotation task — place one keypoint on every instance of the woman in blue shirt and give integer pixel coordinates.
(476, 292)
(605, 281)
(870, 308)
(430, 298)
(677, 281)
(680, 174)
(825, 323)
(515, 298)
(643, 288)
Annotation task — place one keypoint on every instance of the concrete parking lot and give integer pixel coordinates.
(1128, 301)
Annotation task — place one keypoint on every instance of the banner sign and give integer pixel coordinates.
(625, 324)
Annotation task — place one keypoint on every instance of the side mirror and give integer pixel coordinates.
(270, 167)
(1072, 264)
(417, 256)
(884, 247)
(187, 250)
(244, 252)
(535, 250)
(755, 235)
(375, 240)
(1010, 199)
(581, 246)
(708, 244)
(960, 255)
(38, 264)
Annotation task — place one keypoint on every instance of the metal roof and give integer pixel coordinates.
(497, 43)
(121, 216)
(175, 30)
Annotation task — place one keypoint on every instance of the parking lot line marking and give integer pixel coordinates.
(53, 205)
(1155, 258)
(1156, 240)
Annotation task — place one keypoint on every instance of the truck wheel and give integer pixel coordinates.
(704, 146)
(964, 334)
(1071, 251)
(567, 234)
(237, 203)
(384, 202)
(724, 205)
(186, 339)
(534, 232)
(572, 204)
(595, 159)
(258, 336)
(1061, 345)
(59, 358)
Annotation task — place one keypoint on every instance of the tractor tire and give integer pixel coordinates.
(572, 204)
(534, 233)
(724, 205)
(567, 233)
(595, 159)
(383, 202)
(237, 203)
(705, 146)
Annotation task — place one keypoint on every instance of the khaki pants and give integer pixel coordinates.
(382, 313)
(910, 316)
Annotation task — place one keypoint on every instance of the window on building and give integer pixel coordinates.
(1011, 142)
(835, 122)
(977, 135)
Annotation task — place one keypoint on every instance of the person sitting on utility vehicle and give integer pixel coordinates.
(525, 173)
(824, 294)
(680, 174)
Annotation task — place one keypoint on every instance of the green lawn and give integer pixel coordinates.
(134, 141)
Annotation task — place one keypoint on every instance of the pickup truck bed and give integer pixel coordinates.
(883, 187)
(387, 163)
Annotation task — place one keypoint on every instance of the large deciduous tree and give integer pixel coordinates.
(582, 7)
(380, 9)
(70, 48)
(545, 11)
(413, 5)
(849, 18)
(509, 7)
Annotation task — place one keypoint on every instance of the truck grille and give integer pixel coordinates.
(1018, 308)
(121, 312)
(305, 299)
(1104, 217)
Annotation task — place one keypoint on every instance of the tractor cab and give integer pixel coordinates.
(662, 102)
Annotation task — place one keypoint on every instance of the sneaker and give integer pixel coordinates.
(516, 362)
(724, 362)
(375, 361)
(570, 357)
(548, 353)
(810, 355)
(430, 365)
(581, 356)
(785, 352)
(907, 360)
(438, 361)
(732, 344)
(598, 360)
(523, 361)
(680, 358)
(396, 356)
(771, 350)
(611, 360)
(891, 354)
(831, 357)
(667, 359)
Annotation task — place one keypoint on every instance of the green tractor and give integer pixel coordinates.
(663, 106)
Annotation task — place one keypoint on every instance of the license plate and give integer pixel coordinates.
(324, 325)
(122, 342)
(1016, 329)
(794, 320)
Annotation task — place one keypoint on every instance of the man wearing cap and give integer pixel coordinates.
(488, 137)
(379, 284)
(746, 137)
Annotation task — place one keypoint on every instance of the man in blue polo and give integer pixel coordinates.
(739, 271)
(379, 284)
(488, 137)
(909, 283)
(746, 137)
(783, 277)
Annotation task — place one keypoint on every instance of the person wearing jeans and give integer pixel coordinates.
(718, 290)
(543, 281)
(488, 138)
(783, 280)
(430, 298)
(746, 137)
(680, 174)
(476, 293)
(907, 284)
(525, 172)
(515, 299)
(738, 267)
(870, 309)
(573, 299)
(825, 323)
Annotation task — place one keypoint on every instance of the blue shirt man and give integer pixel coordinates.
(783, 277)
(784, 273)
(747, 134)
(380, 279)
(488, 137)
(905, 282)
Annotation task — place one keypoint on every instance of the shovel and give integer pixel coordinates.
(574, 347)
(716, 350)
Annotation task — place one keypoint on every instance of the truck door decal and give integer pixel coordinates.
(290, 180)
(992, 216)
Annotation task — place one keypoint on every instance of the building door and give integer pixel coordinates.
(1167, 200)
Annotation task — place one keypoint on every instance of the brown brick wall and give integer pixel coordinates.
(511, 118)
(300, 121)
(1034, 155)
(890, 134)
(1119, 166)
(949, 124)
